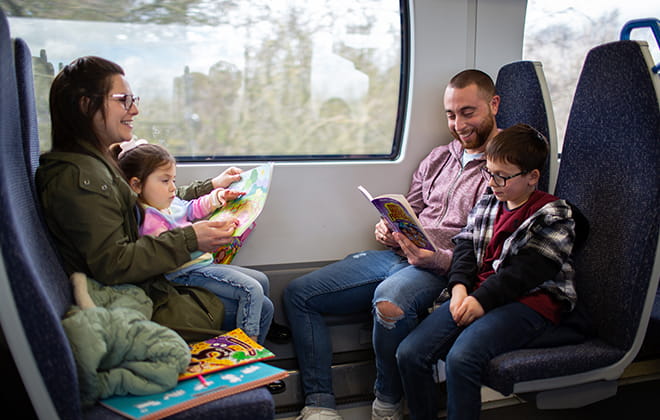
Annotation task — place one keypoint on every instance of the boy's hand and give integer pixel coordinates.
(469, 311)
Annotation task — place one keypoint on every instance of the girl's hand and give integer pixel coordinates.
(229, 195)
(220, 196)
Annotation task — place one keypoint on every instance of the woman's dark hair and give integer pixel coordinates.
(86, 77)
(142, 160)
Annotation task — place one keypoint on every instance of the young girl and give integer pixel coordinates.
(150, 171)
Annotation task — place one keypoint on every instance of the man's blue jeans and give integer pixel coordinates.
(243, 291)
(466, 352)
(351, 285)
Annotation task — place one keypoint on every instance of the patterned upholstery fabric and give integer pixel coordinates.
(610, 169)
(524, 99)
(40, 289)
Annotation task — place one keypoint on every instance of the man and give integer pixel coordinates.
(400, 283)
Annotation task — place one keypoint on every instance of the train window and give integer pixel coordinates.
(225, 79)
(560, 33)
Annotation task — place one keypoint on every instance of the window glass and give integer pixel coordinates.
(560, 33)
(226, 78)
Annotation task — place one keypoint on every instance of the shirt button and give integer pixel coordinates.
(86, 182)
(104, 187)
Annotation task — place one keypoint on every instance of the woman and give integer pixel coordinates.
(90, 209)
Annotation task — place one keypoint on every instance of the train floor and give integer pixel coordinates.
(637, 401)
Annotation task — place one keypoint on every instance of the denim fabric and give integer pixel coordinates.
(242, 290)
(344, 287)
(413, 291)
(466, 352)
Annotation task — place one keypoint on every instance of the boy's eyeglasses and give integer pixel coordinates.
(500, 181)
(126, 100)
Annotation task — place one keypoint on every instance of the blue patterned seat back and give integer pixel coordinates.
(35, 277)
(27, 104)
(40, 288)
(525, 99)
(610, 169)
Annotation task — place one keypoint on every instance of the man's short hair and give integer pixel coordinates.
(520, 145)
(472, 76)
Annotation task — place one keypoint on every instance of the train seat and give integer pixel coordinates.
(525, 99)
(651, 345)
(34, 289)
(609, 168)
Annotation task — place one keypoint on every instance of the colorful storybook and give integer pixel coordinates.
(255, 183)
(400, 217)
(225, 351)
(188, 394)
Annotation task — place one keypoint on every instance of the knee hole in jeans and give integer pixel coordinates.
(388, 314)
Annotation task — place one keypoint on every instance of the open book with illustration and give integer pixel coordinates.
(188, 394)
(400, 217)
(225, 351)
(255, 183)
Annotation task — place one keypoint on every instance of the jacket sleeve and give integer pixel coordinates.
(194, 190)
(463, 265)
(89, 214)
(518, 275)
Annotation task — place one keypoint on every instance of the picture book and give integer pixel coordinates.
(400, 217)
(225, 351)
(188, 394)
(255, 183)
(226, 253)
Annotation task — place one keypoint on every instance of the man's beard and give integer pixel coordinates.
(482, 132)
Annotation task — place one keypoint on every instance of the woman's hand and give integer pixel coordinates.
(227, 177)
(212, 234)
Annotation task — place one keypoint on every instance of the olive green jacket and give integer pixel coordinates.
(90, 212)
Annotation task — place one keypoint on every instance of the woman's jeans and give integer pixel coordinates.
(242, 290)
(466, 351)
(349, 286)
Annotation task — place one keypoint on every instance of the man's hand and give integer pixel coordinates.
(417, 256)
(384, 234)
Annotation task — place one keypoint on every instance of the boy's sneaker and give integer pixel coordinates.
(318, 413)
(379, 413)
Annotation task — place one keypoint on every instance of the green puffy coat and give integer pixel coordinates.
(118, 351)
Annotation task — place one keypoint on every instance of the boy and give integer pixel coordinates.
(511, 278)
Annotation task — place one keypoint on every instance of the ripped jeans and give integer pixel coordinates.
(347, 287)
(412, 290)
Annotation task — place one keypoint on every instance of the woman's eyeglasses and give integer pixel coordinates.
(126, 100)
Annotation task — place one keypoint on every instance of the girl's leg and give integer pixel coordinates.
(229, 283)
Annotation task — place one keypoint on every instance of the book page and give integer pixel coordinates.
(255, 183)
